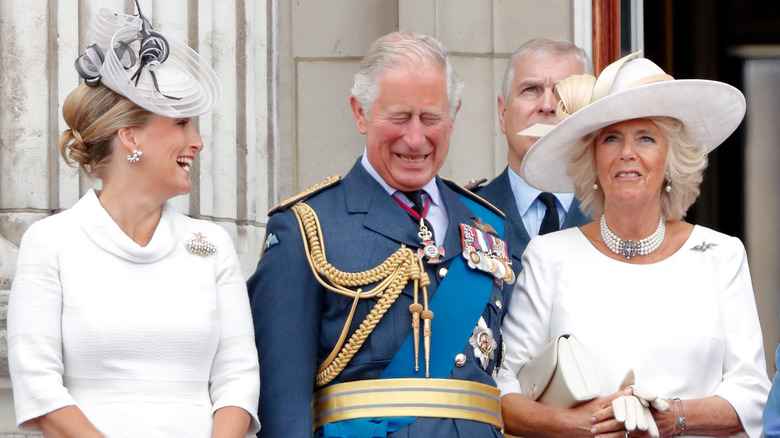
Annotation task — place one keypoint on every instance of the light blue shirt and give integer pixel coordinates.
(531, 209)
(437, 213)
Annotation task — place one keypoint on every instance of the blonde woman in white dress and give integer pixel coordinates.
(127, 318)
(639, 287)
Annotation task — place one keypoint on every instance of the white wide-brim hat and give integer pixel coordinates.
(630, 88)
(179, 83)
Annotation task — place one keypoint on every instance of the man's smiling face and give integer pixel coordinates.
(408, 132)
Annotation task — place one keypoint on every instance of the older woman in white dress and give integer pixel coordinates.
(639, 287)
(127, 318)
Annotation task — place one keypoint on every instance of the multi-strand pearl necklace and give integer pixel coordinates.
(628, 248)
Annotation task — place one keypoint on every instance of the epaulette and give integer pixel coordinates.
(475, 184)
(306, 194)
(469, 194)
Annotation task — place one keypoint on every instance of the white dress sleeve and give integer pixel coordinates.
(235, 373)
(526, 326)
(34, 335)
(745, 383)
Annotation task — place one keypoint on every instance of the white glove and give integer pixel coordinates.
(647, 398)
(629, 410)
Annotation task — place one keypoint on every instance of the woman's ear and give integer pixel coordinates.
(126, 137)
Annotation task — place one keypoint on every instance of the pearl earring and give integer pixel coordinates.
(668, 183)
(135, 157)
(596, 183)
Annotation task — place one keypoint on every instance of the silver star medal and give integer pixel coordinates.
(200, 246)
(429, 252)
(483, 342)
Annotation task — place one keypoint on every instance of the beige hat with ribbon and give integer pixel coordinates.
(629, 88)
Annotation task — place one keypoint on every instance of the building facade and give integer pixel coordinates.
(284, 123)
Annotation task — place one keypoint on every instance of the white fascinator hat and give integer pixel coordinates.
(629, 88)
(163, 76)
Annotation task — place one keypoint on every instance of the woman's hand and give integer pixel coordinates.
(528, 418)
(604, 421)
(67, 422)
(230, 422)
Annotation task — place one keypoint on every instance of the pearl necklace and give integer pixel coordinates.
(628, 248)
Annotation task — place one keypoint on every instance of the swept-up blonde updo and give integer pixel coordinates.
(94, 115)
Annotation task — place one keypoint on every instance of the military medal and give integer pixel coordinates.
(483, 342)
(486, 252)
(428, 251)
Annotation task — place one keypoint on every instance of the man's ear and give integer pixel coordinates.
(501, 106)
(361, 120)
(452, 117)
(460, 104)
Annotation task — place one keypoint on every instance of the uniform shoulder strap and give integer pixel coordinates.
(473, 196)
(329, 182)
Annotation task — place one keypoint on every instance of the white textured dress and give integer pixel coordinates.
(687, 325)
(146, 341)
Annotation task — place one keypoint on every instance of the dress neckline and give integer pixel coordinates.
(105, 233)
(686, 244)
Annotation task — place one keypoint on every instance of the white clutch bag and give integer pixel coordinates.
(562, 374)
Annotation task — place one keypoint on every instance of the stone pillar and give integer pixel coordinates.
(25, 158)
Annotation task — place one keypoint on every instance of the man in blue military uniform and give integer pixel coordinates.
(378, 298)
(527, 97)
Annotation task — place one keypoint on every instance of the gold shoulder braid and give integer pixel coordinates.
(313, 190)
(392, 275)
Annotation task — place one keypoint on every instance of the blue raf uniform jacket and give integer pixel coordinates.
(499, 193)
(298, 321)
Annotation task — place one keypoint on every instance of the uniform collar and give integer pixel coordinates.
(431, 188)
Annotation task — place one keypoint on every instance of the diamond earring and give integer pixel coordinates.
(135, 157)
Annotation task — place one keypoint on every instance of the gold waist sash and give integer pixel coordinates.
(437, 398)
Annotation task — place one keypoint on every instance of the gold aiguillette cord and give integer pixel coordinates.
(421, 311)
(389, 278)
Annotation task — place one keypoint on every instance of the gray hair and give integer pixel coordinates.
(685, 163)
(394, 49)
(543, 47)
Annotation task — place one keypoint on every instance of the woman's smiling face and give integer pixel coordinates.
(631, 162)
(169, 147)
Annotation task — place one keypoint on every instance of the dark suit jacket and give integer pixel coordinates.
(499, 193)
(298, 321)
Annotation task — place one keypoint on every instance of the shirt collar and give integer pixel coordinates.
(525, 195)
(431, 188)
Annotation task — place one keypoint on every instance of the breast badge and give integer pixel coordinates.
(486, 252)
(483, 342)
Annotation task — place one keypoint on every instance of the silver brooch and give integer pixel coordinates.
(704, 246)
(200, 246)
(483, 342)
